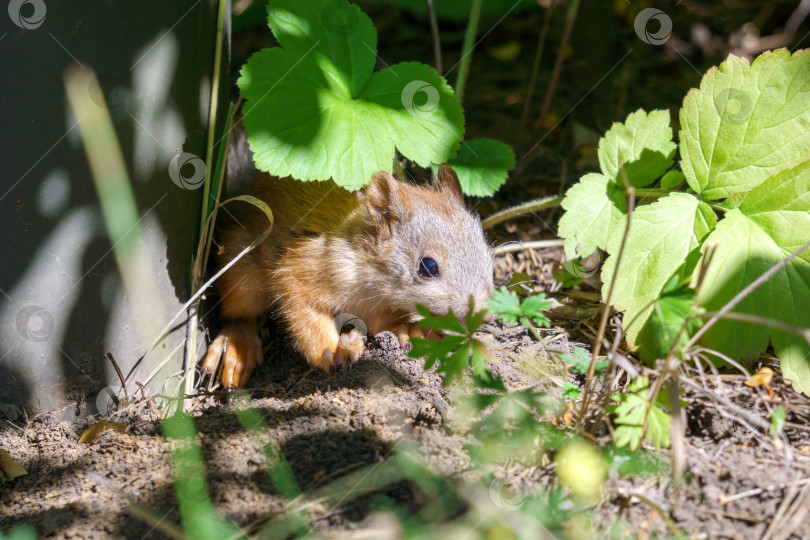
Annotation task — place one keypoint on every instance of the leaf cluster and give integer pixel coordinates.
(742, 184)
(315, 108)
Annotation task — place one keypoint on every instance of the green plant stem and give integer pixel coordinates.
(521, 209)
(434, 31)
(663, 515)
(631, 202)
(676, 428)
(528, 324)
(117, 200)
(650, 192)
(192, 323)
(212, 113)
(467, 49)
(803, 333)
(549, 202)
(538, 56)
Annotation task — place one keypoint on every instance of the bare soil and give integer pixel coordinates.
(740, 481)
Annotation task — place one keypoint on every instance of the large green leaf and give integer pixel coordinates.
(315, 110)
(662, 236)
(642, 144)
(482, 166)
(592, 207)
(772, 222)
(746, 123)
(338, 34)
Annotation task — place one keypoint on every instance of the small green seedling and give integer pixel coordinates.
(458, 349)
(511, 309)
(580, 361)
(633, 409)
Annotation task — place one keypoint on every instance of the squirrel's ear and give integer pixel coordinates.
(449, 183)
(385, 199)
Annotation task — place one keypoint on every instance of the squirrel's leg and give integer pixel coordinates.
(238, 345)
(316, 336)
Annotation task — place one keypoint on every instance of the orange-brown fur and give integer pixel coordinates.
(331, 251)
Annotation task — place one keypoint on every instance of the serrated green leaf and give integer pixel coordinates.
(314, 110)
(490, 381)
(435, 350)
(642, 145)
(479, 358)
(592, 207)
(746, 123)
(424, 120)
(510, 309)
(453, 365)
(580, 360)
(534, 306)
(482, 166)
(448, 322)
(632, 411)
(571, 391)
(504, 304)
(772, 221)
(662, 236)
(474, 319)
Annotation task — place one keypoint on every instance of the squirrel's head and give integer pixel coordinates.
(429, 249)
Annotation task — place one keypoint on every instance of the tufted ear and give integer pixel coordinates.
(385, 200)
(449, 183)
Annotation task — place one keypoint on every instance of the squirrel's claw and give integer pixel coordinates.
(351, 345)
(349, 348)
(239, 350)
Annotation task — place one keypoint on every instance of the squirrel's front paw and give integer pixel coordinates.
(405, 332)
(240, 349)
(349, 348)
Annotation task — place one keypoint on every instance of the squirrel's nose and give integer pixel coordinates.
(490, 317)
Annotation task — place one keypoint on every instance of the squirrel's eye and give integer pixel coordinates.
(428, 268)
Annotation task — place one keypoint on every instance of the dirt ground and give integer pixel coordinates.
(329, 426)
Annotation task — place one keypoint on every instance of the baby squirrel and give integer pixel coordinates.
(373, 254)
